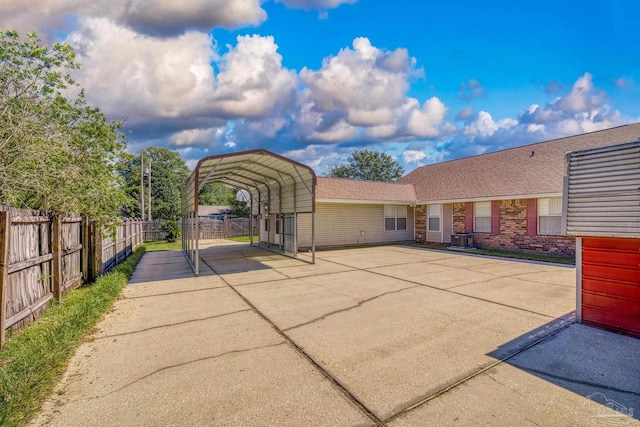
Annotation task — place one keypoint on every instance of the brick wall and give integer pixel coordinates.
(421, 223)
(513, 231)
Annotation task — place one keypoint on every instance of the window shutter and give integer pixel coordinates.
(495, 217)
(468, 210)
(532, 217)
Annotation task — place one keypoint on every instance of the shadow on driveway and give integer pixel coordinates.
(602, 366)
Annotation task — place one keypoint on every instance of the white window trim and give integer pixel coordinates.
(439, 216)
(475, 215)
(556, 215)
(395, 218)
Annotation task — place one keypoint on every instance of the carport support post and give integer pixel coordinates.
(313, 237)
(196, 262)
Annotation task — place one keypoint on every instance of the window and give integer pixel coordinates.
(395, 217)
(550, 215)
(433, 217)
(482, 217)
(266, 224)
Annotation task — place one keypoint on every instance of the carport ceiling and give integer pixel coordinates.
(258, 172)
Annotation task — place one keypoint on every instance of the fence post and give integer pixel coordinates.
(56, 249)
(5, 231)
(97, 250)
(86, 251)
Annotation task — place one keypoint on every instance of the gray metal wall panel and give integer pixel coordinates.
(603, 191)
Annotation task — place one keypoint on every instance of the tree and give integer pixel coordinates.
(368, 165)
(169, 175)
(215, 193)
(57, 152)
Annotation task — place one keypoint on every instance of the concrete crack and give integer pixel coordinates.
(342, 310)
(178, 292)
(178, 365)
(172, 324)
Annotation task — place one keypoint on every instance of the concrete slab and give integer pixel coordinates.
(548, 299)
(573, 378)
(434, 275)
(200, 357)
(397, 349)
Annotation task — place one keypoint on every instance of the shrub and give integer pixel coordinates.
(172, 229)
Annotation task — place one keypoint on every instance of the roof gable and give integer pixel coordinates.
(356, 190)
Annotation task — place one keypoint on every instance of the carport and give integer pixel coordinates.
(279, 189)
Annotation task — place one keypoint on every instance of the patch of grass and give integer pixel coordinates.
(243, 239)
(162, 245)
(504, 254)
(33, 360)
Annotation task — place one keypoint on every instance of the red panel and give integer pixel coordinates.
(468, 211)
(611, 283)
(495, 217)
(532, 217)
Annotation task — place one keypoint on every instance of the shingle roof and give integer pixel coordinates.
(350, 189)
(533, 169)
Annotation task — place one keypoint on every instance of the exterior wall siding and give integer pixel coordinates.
(447, 222)
(513, 231)
(341, 224)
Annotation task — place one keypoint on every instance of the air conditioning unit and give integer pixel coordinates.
(462, 240)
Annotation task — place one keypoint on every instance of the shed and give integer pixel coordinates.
(602, 210)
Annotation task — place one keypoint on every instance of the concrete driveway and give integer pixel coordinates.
(377, 336)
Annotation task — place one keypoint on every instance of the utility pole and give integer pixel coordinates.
(149, 188)
(142, 186)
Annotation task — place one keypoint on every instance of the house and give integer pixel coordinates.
(214, 211)
(509, 199)
(351, 212)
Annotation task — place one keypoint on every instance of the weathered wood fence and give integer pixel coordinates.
(42, 256)
(207, 228)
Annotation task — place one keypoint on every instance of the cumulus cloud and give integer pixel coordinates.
(363, 91)
(584, 108)
(412, 156)
(470, 90)
(147, 80)
(159, 18)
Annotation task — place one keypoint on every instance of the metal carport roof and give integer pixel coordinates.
(280, 185)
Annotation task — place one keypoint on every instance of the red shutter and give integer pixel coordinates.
(468, 210)
(495, 217)
(532, 217)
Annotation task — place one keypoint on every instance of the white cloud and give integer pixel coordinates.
(252, 81)
(470, 90)
(159, 18)
(203, 138)
(412, 156)
(484, 125)
(363, 91)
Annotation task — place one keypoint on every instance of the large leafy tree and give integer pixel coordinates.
(215, 193)
(57, 152)
(368, 165)
(169, 174)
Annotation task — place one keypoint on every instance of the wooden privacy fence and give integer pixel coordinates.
(207, 228)
(42, 256)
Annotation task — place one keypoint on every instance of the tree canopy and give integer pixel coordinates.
(57, 152)
(368, 165)
(169, 174)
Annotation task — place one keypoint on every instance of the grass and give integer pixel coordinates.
(503, 254)
(243, 239)
(163, 245)
(33, 360)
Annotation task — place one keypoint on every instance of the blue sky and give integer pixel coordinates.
(317, 79)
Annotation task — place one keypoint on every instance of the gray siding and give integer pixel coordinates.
(340, 224)
(602, 191)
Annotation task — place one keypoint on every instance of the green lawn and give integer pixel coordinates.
(33, 360)
(243, 239)
(163, 245)
(504, 254)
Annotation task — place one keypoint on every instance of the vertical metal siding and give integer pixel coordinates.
(603, 191)
(610, 282)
